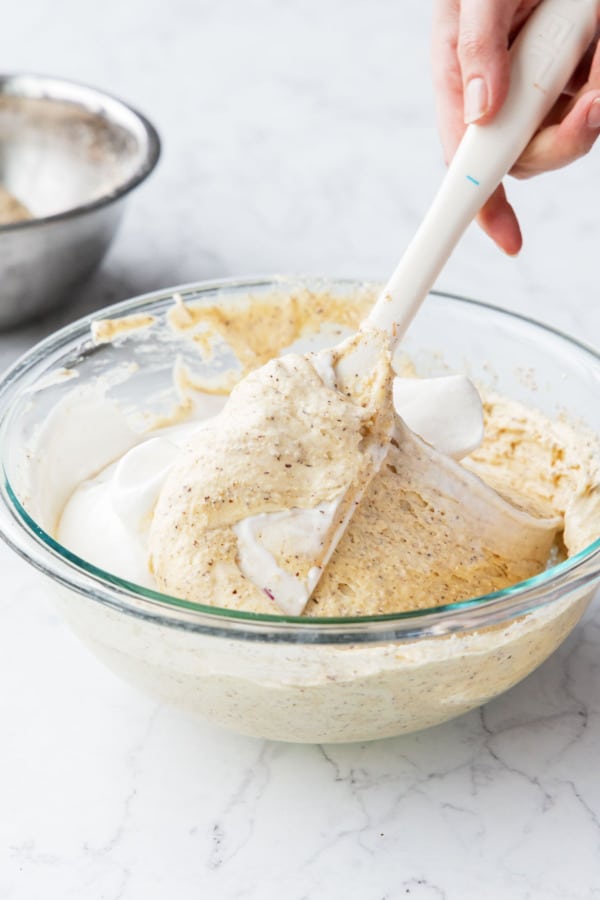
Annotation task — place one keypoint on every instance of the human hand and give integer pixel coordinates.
(471, 78)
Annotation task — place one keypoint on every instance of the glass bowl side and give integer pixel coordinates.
(450, 334)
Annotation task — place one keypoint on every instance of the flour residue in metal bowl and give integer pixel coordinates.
(11, 208)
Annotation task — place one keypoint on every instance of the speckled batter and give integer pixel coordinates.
(363, 689)
(411, 544)
(285, 440)
(428, 530)
(258, 327)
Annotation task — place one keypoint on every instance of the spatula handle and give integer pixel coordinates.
(543, 58)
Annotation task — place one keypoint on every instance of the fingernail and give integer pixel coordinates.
(593, 116)
(476, 100)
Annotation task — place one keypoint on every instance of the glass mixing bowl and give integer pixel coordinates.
(301, 679)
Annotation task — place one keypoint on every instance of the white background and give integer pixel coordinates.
(298, 136)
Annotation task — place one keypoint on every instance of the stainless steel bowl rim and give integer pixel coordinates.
(53, 88)
(579, 573)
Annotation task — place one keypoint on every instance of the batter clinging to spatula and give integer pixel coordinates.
(271, 483)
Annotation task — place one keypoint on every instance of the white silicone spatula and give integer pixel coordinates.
(544, 56)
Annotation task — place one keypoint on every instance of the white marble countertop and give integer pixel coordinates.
(299, 137)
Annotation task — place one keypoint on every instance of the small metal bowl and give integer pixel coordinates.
(70, 154)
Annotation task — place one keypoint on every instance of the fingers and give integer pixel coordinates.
(498, 220)
(447, 76)
(570, 136)
(482, 49)
(583, 73)
(470, 62)
(471, 77)
(593, 80)
(471, 67)
(559, 145)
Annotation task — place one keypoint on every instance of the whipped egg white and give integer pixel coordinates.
(109, 517)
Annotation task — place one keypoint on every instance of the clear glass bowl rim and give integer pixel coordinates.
(37, 547)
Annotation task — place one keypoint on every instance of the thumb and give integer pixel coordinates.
(483, 55)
